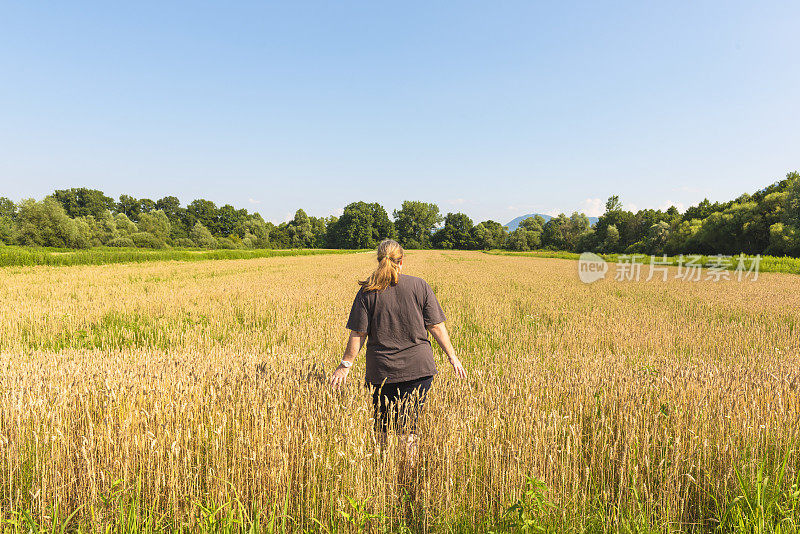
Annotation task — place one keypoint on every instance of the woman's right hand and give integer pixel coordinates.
(457, 367)
(339, 376)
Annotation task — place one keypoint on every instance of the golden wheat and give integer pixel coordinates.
(183, 384)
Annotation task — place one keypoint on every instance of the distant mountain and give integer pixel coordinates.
(512, 225)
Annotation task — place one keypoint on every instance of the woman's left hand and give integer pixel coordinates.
(339, 377)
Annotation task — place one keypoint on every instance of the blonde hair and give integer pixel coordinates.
(390, 253)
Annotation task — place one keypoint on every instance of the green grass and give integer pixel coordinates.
(763, 501)
(17, 256)
(773, 264)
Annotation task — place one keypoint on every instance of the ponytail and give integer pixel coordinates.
(390, 253)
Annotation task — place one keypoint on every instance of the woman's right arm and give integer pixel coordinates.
(442, 337)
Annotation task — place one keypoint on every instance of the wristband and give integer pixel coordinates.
(346, 364)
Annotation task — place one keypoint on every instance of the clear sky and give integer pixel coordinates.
(492, 108)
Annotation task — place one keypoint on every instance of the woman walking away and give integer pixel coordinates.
(394, 313)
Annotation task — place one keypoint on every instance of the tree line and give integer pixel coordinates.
(765, 222)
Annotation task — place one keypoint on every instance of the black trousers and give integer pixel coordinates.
(397, 405)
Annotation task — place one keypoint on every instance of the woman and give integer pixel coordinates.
(394, 313)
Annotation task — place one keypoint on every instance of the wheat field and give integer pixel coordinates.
(176, 396)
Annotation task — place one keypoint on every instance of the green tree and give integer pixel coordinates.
(331, 229)
(88, 230)
(8, 212)
(683, 237)
(414, 222)
(784, 240)
(657, 238)
(231, 220)
(563, 233)
(155, 223)
(488, 235)
(146, 205)
(205, 212)
(577, 226)
(171, 207)
(7, 208)
(129, 206)
(256, 231)
(319, 231)
(518, 240)
(613, 204)
(456, 233)
(703, 210)
(301, 235)
(46, 224)
(729, 231)
(279, 236)
(553, 234)
(533, 226)
(147, 240)
(792, 203)
(105, 228)
(202, 236)
(481, 237)
(611, 241)
(125, 226)
(80, 201)
(620, 220)
(363, 225)
(587, 240)
(7, 231)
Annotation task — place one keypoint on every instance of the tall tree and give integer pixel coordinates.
(300, 232)
(46, 224)
(129, 206)
(257, 231)
(578, 224)
(205, 212)
(456, 233)
(613, 204)
(8, 212)
(201, 236)
(414, 222)
(155, 223)
(793, 199)
(553, 235)
(171, 207)
(533, 224)
(146, 205)
(611, 241)
(498, 233)
(80, 201)
(7, 208)
(363, 225)
(518, 240)
(231, 220)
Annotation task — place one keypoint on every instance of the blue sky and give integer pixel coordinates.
(491, 108)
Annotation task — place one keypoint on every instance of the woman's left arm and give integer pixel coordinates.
(354, 344)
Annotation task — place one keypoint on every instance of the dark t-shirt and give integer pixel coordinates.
(394, 320)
